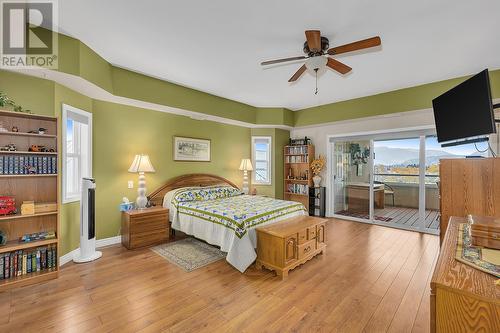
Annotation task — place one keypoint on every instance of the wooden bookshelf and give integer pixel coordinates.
(298, 173)
(38, 187)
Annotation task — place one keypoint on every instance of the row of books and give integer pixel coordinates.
(298, 189)
(26, 164)
(22, 262)
(297, 159)
(296, 150)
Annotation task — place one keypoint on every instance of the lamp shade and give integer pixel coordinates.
(141, 163)
(246, 165)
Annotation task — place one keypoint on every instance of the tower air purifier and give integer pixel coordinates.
(87, 223)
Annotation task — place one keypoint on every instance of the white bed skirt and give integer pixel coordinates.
(240, 252)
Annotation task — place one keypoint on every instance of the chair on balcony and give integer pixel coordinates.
(388, 190)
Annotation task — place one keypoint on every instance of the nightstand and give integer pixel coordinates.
(145, 227)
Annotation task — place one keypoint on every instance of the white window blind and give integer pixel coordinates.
(261, 157)
(77, 151)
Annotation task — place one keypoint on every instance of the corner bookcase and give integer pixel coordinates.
(298, 173)
(39, 184)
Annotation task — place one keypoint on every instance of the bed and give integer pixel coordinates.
(213, 209)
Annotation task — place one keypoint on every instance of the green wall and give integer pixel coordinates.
(120, 132)
(409, 99)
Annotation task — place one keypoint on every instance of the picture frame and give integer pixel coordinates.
(189, 149)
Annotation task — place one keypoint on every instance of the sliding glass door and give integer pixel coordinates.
(388, 179)
(396, 181)
(352, 179)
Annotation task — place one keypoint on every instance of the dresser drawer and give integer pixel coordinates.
(148, 238)
(141, 224)
(306, 249)
(303, 236)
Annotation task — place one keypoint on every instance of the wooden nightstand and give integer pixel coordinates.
(145, 227)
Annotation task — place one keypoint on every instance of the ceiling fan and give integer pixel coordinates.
(317, 54)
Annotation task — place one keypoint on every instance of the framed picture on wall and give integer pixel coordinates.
(191, 149)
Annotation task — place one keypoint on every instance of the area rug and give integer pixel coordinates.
(189, 253)
(364, 216)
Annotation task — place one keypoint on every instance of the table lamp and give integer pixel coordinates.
(141, 164)
(245, 166)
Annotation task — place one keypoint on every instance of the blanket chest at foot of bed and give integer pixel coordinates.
(284, 245)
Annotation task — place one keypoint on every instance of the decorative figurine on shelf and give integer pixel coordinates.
(7, 205)
(30, 169)
(9, 147)
(316, 167)
(41, 149)
(254, 191)
(15, 129)
(41, 131)
(3, 238)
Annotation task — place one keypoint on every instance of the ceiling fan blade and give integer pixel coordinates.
(359, 45)
(277, 61)
(298, 73)
(338, 66)
(313, 40)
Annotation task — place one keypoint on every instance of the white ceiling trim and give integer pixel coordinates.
(91, 90)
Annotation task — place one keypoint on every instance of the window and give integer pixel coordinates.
(77, 151)
(261, 156)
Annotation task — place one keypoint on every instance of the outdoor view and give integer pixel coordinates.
(397, 161)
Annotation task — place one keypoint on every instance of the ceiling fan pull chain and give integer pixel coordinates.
(316, 92)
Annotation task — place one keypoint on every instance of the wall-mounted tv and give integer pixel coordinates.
(465, 111)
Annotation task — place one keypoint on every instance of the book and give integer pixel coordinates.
(38, 260)
(19, 263)
(28, 263)
(25, 260)
(13, 271)
(1, 266)
(6, 266)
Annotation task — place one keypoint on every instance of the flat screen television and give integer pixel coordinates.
(465, 111)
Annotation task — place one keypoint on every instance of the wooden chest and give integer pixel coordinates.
(145, 227)
(284, 245)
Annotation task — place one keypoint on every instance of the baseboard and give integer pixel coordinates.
(98, 243)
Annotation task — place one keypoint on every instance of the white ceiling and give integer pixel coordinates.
(216, 46)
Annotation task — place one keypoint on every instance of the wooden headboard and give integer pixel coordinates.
(194, 179)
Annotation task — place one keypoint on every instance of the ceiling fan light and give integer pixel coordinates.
(317, 62)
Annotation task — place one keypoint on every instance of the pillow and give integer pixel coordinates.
(204, 193)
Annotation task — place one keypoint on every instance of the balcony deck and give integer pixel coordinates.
(401, 216)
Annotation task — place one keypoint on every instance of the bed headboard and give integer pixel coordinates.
(194, 179)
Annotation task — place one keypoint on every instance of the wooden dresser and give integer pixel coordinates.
(463, 299)
(284, 245)
(469, 186)
(145, 227)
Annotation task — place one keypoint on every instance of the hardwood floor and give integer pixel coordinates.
(372, 279)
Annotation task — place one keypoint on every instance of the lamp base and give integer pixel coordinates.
(141, 201)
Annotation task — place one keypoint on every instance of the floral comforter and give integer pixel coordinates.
(239, 213)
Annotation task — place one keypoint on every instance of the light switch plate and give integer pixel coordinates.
(130, 184)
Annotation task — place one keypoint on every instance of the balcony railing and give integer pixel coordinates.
(429, 178)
